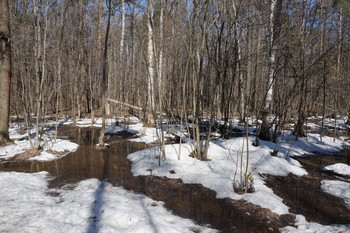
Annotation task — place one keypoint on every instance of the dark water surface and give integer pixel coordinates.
(186, 200)
(304, 194)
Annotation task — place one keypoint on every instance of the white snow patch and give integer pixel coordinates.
(339, 168)
(303, 226)
(219, 172)
(46, 156)
(47, 143)
(28, 205)
(337, 188)
(224, 165)
(10, 151)
(61, 145)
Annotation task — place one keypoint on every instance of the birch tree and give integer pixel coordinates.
(151, 64)
(40, 14)
(275, 26)
(236, 7)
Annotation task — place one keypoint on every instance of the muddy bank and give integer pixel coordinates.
(304, 194)
(186, 200)
(200, 204)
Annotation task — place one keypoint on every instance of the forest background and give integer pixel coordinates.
(278, 60)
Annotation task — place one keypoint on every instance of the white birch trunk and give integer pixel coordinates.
(241, 78)
(123, 30)
(276, 7)
(150, 50)
(160, 77)
(272, 59)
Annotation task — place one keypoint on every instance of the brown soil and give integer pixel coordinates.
(226, 214)
(26, 155)
(5, 142)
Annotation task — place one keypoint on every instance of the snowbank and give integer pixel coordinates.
(224, 165)
(92, 206)
(303, 226)
(337, 188)
(221, 171)
(51, 148)
(339, 168)
(145, 135)
(97, 122)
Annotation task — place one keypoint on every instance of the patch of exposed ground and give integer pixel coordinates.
(26, 155)
(199, 203)
(5, 142)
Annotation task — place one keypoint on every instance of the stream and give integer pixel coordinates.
(191, 201)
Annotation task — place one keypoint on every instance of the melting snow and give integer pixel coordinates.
(337, 188)
(339, 168)
(28, 205)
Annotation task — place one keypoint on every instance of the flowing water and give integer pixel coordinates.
(186, 200)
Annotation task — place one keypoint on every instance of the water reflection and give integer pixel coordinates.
(86, 162)
(304, 195)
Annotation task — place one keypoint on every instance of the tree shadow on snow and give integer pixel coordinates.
(149, 217)
(96, 209)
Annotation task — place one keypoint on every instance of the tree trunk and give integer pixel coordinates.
(299, 127)
(40, 67)
(5, 69)
(105, 76)
(160, 81)
(275, 26)
(239, 63)
(150, 52)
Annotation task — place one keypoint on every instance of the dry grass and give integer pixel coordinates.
(5, 142)
(27, 155)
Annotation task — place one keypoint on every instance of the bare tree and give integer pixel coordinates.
(275, 27)
(151, 64)
(5, 69)
(105, 74)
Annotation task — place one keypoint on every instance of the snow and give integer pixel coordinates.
(51, 148)
(310, 145)
(218, 173)
(118, 210)
(45, 156)
(337, 188)
(303, 226)
(91, 206)
(339, 168)
(145, 134)
(97, 122)
(7, 152)
(223, 167)
(133, 125)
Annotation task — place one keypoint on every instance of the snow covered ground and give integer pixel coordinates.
(303, 226)
(28, 205)
(339, 168)
(52, 148)
(227, 160)
(223, 167)
(56, 148)
(337, 188)
(97, 122)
